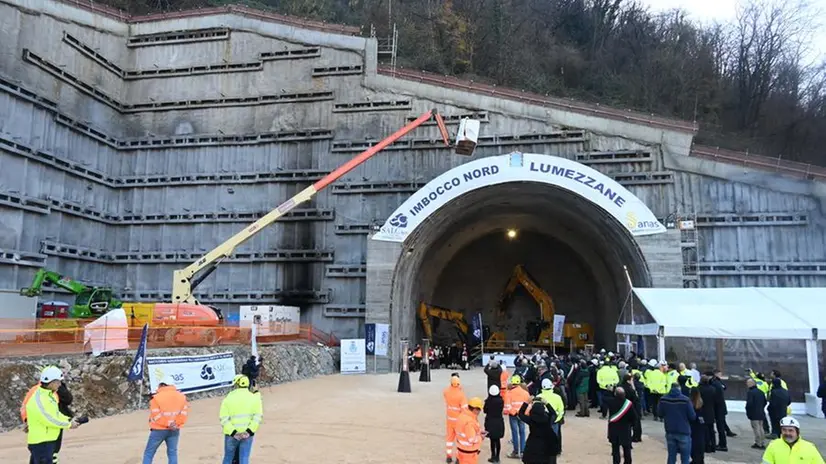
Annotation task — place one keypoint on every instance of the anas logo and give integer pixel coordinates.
(399, 220)
(631, 220)
(206, 373)
(352, 348)
(370, 346)
(477, 333)
(159, 373)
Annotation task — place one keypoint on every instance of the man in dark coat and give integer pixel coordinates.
(632, 396)
(621, 419)
(494, 421)
(720, 410)
(821, 393)
(755, 405)
(494, 373)
(709, 396)
(779, 400)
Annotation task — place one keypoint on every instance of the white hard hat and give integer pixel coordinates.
(595, 361)
(653, 362)
(790, 421)
(610, 353)
(493, 390)
(546, 384)
(50, 374)
(602, 350)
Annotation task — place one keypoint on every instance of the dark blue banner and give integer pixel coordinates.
(370, 339)
(136, 372)
(476, 325)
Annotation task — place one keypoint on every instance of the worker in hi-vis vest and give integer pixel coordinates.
(44, 420)
(455, 403)
(241, 415)
(790, 448)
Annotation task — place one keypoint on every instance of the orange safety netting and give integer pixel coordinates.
(29, 337)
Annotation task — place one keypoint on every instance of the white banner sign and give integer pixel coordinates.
(353, 356)
(109, 332)
(382, 339)
(577, 178)
(192, 374)
(271, 320)
(559, 327)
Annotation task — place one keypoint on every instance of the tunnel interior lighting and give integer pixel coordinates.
(511, 234)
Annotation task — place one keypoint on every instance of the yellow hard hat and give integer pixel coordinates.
(241, 380)
(455, 382)
(475, 402)
(516, 380)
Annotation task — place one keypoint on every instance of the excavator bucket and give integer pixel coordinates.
(467, 136)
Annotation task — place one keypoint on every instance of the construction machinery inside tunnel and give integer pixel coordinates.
(466, 252)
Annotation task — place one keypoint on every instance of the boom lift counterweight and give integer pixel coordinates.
(187, 279)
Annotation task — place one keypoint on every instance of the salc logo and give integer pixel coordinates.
(399, 220)
(206, 373)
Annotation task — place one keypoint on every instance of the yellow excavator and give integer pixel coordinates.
(426, 312)
(540, 333)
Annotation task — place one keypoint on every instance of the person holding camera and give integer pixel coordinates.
(45, 418)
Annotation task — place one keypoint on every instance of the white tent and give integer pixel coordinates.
(735, 313)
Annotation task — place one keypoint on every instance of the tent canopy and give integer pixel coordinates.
(733, 313)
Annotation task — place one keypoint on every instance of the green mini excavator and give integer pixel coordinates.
(89, 301)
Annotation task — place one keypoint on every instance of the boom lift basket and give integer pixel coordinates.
(467, 136)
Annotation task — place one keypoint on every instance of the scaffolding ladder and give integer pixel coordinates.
(387, 46)
(689, 243)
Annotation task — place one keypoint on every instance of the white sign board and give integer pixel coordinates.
(382, 339)
(353, 356)
(559, 327)
(271, 320)
(192, 374)
(577, 178)
(18, 313)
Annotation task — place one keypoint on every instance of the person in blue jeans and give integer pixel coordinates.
(677, 413)
(156, 437)
(518, 437)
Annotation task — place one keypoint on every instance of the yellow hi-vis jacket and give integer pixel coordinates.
(241, 410)
(44, 418)
(607, 378)
(657, 381)
(555, 402)
(801, 452)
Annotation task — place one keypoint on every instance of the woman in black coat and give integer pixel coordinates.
(494, 421)
(542, 445)
(698, 429)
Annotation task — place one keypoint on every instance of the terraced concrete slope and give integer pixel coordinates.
(131, 146)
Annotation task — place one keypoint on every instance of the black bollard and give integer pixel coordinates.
(424, 375)
(404, 372)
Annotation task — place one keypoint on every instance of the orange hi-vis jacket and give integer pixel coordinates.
(166, 407)
(29, 394)
(503, 379)
(455, 402)
(517, 396)
(468, 433)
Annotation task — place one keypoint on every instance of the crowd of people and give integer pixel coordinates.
(46, 412)
(531, 397)
(456, 356)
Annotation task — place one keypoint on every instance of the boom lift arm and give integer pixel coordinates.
(427, 311)
(185, 280)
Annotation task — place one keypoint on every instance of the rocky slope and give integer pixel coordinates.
(100, 387)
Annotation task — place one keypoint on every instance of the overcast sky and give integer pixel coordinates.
(726, 10)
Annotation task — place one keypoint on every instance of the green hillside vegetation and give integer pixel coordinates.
(747, 83)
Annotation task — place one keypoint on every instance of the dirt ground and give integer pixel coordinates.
(342, 419)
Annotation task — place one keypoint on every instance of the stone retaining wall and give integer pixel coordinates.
(100, 387)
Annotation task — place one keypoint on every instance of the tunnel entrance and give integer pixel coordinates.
(459, 256)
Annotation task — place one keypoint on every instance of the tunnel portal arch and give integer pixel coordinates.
(539, 195)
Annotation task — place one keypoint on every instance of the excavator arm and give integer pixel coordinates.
(185, 280)
(520, 276)
(427, 311)
(53, 278)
